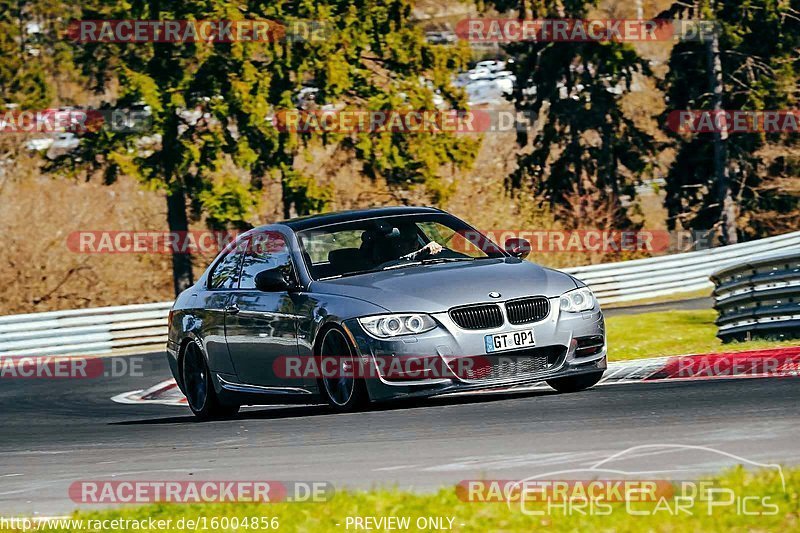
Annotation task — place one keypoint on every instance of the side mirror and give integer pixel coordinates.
(518, 247)
(272, 280)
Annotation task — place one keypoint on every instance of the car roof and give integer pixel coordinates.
(316, 221)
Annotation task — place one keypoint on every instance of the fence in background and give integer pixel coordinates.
(122, 329)
(759, 297)
(143, 328)
(656, 277)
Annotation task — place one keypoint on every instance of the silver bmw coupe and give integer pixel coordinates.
(379, 304)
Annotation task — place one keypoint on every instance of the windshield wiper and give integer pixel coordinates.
(347, 274)
(446, 260)
(402, 265)
(428, 262)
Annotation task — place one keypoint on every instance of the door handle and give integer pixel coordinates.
(232, 309)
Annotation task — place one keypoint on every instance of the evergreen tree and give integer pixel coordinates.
(584, 143)
(212, 104)
(22, 78)
(717, 179)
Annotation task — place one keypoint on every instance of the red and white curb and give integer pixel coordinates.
(771, 363)
(775, 362)
(164, 393)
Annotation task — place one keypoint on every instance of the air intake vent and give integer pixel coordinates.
(587, 346)
(477, 316)
(518, 364)
(527, 310)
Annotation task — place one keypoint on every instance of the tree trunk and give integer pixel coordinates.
(286, 201)
(722, 192)
(182, 275)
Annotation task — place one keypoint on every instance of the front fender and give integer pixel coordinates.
(318, 310)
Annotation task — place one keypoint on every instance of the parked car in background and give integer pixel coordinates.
(39, 144)
(441, 37)
(494, 65)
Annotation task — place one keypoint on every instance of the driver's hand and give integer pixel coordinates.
(433, 248)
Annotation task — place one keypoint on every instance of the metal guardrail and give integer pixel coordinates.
(759, 298)
(100, 330)
(143, 328)
(653, 277)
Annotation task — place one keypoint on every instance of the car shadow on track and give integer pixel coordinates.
(302, 411)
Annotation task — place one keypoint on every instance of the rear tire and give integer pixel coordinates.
(199, 388)
(575, 383)
(344, 394)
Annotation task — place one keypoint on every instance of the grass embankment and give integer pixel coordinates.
(773, 508)
(672, 333)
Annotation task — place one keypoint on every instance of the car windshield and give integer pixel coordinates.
(389, 243)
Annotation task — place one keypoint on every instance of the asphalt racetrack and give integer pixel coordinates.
(56, 432)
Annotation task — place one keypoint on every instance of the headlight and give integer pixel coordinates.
(577, 300)
(386, 326)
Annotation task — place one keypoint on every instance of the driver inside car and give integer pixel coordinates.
(408, 245)
(386, 243)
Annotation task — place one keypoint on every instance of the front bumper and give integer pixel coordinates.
(559, 332)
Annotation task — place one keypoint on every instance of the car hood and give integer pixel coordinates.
(438, 287)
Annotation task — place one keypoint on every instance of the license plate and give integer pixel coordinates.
(509, 341)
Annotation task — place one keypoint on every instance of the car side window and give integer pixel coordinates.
(226, 273)
(266, 251)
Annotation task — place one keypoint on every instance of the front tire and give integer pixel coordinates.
(345, 393)
(199, 388)
(575, 383)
